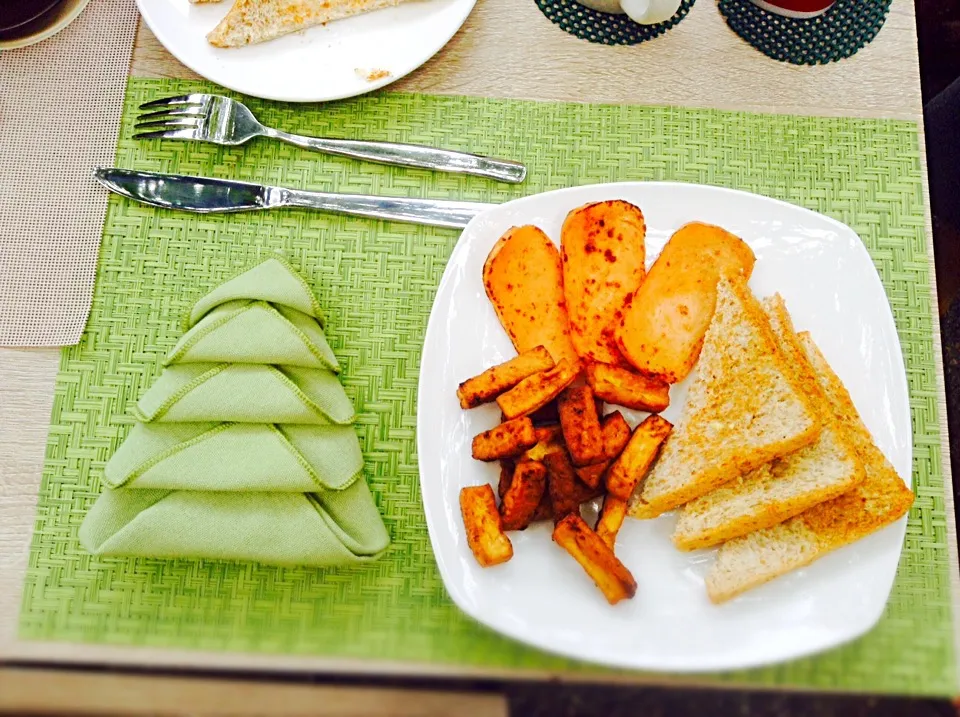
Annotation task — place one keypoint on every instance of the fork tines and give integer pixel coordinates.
(194, 99)
(180, 117)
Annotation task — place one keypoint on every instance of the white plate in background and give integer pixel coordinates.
(341, 59)
(542, 597)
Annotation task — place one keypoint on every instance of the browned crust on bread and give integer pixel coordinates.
(732, 461)
(881, 499)
(779, 484)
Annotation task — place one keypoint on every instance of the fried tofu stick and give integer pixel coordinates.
(497, 379)
(485, 536)
(628, 389)
(632, 465)
(522, 499)
(538, 390)
(508, 439)
(596, 558)
(611, 519)
(581, 425)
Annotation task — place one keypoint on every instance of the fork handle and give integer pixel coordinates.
(410, 155)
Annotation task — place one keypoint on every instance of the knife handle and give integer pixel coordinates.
(433, 212)
(410, 155)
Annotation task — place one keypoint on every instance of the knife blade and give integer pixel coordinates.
(208, 195)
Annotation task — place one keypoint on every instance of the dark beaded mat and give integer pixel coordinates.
(603, 27)
(840, 32)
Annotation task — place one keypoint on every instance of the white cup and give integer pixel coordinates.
(645, 12)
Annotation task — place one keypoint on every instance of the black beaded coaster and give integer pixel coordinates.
(604, 27)
(840, 32)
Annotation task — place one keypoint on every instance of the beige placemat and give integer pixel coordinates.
(59, 116)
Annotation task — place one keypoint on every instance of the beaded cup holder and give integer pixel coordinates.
(603, 27)
(840, 32)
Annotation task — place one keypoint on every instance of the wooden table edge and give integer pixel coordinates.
(25, 689)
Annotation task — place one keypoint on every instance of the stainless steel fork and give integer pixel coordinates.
(221, 120)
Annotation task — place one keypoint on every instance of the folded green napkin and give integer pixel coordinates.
(273, 281)
(255, 332)
(248, 393)
(320, 529)
(245, 448)
(236, 457)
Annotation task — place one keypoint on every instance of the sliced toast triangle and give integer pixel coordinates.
(880, 499)
(252, 21)
(787, 486)
(745, 408)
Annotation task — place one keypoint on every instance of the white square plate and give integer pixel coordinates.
(542, 597)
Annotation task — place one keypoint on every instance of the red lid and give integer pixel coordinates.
(800, 6)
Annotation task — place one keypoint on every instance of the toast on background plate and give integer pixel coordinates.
(881, 499)
(253, 21)
(745, 408)
(785, 487)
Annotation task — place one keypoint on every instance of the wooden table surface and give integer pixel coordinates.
(507, 48)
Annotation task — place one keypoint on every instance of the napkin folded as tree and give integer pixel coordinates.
(245, 449)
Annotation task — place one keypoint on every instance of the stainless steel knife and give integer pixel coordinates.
(209, 195)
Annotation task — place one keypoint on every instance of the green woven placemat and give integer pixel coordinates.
(376, 282)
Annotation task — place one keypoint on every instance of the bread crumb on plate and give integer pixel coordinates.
(372, 75)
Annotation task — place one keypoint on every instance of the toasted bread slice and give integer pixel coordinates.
(252, 21)
(879, 500)
(826, 468)
(745, 408)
